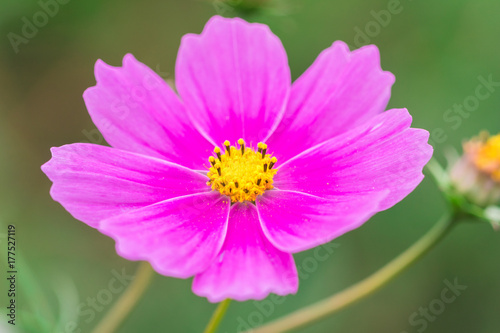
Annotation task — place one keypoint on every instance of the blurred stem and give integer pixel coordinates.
(439, 174)
(219, 313)
(126, 303)
(365, 287)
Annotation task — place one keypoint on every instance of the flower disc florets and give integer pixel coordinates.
(242, 174)
(487, 156)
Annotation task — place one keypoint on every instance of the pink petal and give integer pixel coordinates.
(340, 90)
(180, 237)
(295, 221)
(234, 79)
(382, 154)
(248, 265)
(136, 110)
(94, 182)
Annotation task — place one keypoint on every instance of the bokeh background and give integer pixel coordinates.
(438, 51)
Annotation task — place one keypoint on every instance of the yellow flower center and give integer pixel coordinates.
(241, 173)
(487, 158)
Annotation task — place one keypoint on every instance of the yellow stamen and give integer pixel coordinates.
(273, 162)
(217, 151)
(259, 146)
(227, 145)
(242, 174)
(242, 146)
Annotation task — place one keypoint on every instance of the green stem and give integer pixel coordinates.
(219, 313)
(126, 303)
(363, 288)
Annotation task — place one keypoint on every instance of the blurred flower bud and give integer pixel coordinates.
(476, 174)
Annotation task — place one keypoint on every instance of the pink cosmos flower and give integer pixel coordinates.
(232, 217)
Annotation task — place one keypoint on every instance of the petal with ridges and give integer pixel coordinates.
(180, 237)
(248, 265)
(340, 90)
(382, 154)
(136, 110)
(295, 221)
(95, 182)
(234, 79)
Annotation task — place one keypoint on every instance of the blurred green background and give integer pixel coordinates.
(438, 50)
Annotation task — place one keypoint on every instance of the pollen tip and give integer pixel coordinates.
(273, 162)
(263, 150)
(227, 144)
(241, 142)
(217, 150)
